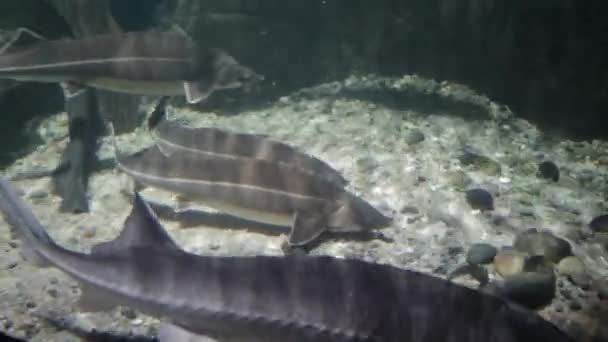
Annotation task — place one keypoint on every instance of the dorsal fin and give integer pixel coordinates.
(141, 228)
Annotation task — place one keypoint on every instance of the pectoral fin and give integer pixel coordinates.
(305, 228)
(196, 91)
(172, 333)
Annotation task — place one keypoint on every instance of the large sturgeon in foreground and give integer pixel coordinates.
(270, 299)
(171, 136)
(145, 63)
(257, 190)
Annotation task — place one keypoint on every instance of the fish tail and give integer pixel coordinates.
(29, 230)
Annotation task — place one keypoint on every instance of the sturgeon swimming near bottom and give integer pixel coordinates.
(171, 136)
(258, 190)
(270, 299)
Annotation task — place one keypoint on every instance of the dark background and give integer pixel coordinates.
(546, 60)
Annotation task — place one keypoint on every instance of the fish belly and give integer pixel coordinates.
(277, 219)
(169, 88)
(36, 78)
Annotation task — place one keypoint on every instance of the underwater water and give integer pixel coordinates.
(478, 193)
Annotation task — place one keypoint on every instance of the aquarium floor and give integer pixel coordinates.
(412, 179)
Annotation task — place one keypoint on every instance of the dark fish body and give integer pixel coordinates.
(272, 299)
(157, 63)
(258, 190)
(312, 299)
(247, 183)
(170, 136)
(158, 56)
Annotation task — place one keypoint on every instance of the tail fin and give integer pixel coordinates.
(29, 230)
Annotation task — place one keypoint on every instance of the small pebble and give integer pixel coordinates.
(52, 292)
(548, 170)
(414, 137)
(409, 209)
(530, 289)
(599, 224)
(480, 199)
(38, 194)
(481, 253)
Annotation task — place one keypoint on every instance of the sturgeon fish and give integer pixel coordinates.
(171, 136)
(269, 298)
(257, 190)
(145, 63)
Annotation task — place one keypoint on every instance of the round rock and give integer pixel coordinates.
(481, 253)
(548, 170)
(413, 137)
(480, 199)
(599, 224)
(573, 268)
(531, 289)
(534, 242)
